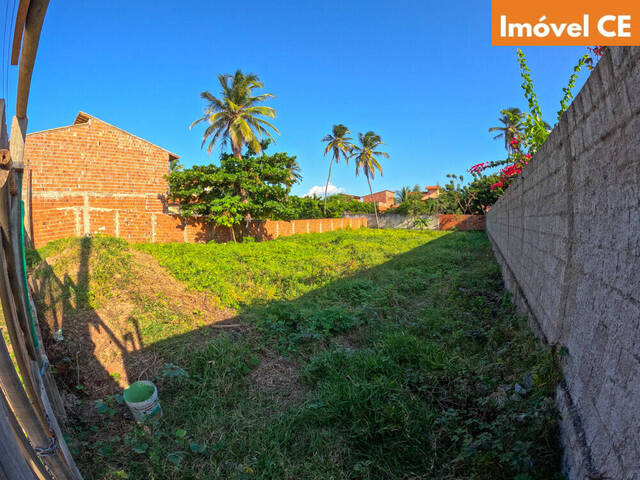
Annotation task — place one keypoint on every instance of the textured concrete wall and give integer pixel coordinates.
(567, 234)
(434, 222)
(395, 220)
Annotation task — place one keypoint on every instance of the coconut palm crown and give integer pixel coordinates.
(339, 145)
(366, 158)
(511, 120)
(236, 115)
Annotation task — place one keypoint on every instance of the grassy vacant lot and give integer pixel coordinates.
(347, 355)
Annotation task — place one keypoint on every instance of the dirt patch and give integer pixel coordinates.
(154, 280)
(278, 376)
(106, 348)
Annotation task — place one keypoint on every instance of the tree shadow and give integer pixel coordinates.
(331, 310)
(70, 327)
(81, 358)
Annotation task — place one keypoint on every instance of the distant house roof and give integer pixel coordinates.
(83, 118)
(432, 187)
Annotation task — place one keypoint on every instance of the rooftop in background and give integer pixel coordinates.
(431, 191)
(383, 199)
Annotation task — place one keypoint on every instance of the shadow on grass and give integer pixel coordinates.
(404, 370)
(68, 323)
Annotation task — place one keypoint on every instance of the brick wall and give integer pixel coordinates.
(567, 235)
(461, 222)
(91, 177)
(164, 228)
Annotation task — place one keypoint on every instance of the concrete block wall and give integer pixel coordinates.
(567, 235)
(434, 222)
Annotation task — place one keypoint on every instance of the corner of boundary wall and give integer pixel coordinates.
(567, 237)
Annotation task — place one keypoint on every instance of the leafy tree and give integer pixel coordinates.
(455, 197)
(213, 192)
(483, 196)
(237, 117)
(511, 120)
(367, 161)
(339, 144)
(337, 205)
(473, 198)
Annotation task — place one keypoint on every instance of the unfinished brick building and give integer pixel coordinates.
(384, 199)
(91, 177)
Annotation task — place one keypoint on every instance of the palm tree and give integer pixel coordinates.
(403, 194)
(339, 144)
(406, 193)
(236, 115)
(366, 159)
(512, 126)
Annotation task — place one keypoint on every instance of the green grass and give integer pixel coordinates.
(412, 364)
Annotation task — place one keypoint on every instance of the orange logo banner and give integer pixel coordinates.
(565, 22)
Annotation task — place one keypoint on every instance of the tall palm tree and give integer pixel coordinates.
(236, 115)
(511, 120)
(367, 161)
(339, 144)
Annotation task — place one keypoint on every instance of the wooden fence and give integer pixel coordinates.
(31, 441)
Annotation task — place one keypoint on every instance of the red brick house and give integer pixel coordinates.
(384, 199)
(91, 177)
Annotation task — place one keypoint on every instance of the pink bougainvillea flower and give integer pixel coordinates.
(496, 185)
(479, 167)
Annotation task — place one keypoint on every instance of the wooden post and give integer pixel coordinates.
(32, 29)
(13, 465)
(27, 414)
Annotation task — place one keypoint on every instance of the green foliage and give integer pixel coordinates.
(472, 198)
(565, 101)
(336, 205)
(410, 202)
(482, 195)
(535, 129)
(225, 194)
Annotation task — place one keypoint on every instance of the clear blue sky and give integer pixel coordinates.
(419, 73)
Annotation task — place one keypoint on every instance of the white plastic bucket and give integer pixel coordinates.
(142, 399)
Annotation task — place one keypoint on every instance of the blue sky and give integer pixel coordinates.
(421, 74)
